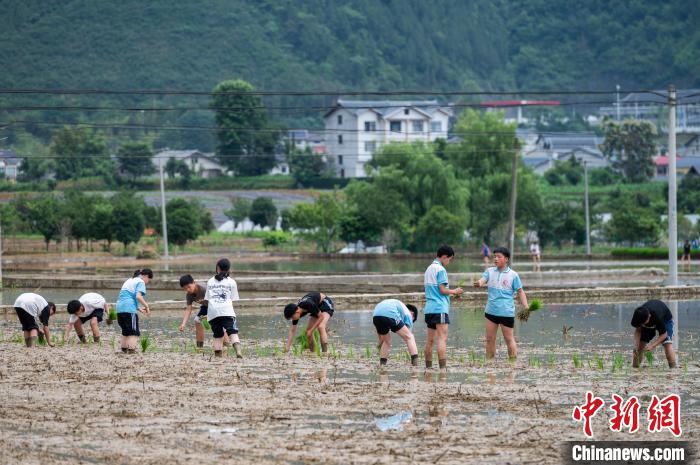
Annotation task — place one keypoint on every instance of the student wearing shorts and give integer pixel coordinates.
(89, 308)
(31, 307)
(650, 318)
(503, 283)
(320, 309)
(194, 294)
(397, 317)
(222, 290)
(129, 302)
(437, 305)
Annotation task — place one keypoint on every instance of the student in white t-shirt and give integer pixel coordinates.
(89, 308)
(221, 292)
(31, 307)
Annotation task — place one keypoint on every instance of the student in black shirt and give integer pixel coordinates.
(320, 308)
(650, 318)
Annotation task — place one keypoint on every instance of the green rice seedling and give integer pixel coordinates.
(112, 342)
(618, 363)
(461, 359)
(297, 350)
(461, 284)
(551, 360)
(368, 352)
(111, 316)
(600, 363)
(277, 352)
(524, 314)
(350, 355)
(145, 342)
(576, 359)
(685, 367)
(317, 349)
(649, 355)
(205, 324)
(17, 338)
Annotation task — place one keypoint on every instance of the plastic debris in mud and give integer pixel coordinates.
(394, 422)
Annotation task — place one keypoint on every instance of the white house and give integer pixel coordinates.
(356, 129)
(541, 150)
(202, 164)
(9, 164)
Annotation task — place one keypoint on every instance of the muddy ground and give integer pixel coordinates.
(88, 404)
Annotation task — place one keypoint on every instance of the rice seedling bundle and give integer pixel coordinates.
(524, 314)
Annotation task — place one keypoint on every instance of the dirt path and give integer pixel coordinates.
(90, 405)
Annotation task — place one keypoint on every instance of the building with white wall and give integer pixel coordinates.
(355, 129)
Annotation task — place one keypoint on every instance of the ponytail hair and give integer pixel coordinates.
(223, 268)
(144, 272)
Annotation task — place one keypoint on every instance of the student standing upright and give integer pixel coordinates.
(129, 302)
(437, 305)
(222, 290)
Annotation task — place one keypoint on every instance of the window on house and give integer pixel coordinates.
(342, 173)
(395, 126)
(436, 126)
(370, 146)
(340, 139)
(340, 159)
(370, 126)
(417, 126)
(340, 119)
(406, 111)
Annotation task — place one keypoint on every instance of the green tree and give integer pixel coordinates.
(689, 193)
(569, 171)
(630, 146)
(560, 222)
(436, 227)
(184, 223)
(239, 211)
(135, 159)
(318, 221)
(246, 140)
(103, 226)
(79, 152)
(305, 166)
(33, 169)
(263, 212)
(43, 216)
(633, 221)
(127, 211)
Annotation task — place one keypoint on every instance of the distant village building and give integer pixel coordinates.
(513, 109)
(540, 150)
(356, 129)
(303, 139)
(201, 164)
(684, 166)
(9, 164)
(649, 106)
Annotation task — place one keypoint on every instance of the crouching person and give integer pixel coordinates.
(89, 308)
(652, 317)
(31, 307)
(393, 315)
(320, 309)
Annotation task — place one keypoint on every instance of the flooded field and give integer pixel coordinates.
(174, 405)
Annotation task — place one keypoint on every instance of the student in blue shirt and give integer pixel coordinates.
(437, 305)
(128, 301)
(395, 316)
(503, 283)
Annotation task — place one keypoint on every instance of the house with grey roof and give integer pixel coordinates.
(542, 149)
(199, 163)
(9, 164)
(355, 129)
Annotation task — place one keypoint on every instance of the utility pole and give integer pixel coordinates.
(672, 213)
(1, 286)
(587, 213)
(617, 87)
(513, 201)
(162, 209)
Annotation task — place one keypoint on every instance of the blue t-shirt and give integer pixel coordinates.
(126, 301)
(394, 309)
(435, 302)
(502, 287)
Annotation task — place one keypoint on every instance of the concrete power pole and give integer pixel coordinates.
(162, 209)
(586, 211)
(617, 88)
(513, 201)
(672, 213)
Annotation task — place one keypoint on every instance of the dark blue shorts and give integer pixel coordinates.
(129, 323)
(434, 319)
(221, 323)
(99, 314)
(384, 324)
(507, 321)
(649, 333)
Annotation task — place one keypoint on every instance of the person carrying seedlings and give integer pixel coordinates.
(89, 308)
(31, 307)
(194, 293)
(652, 317)
(320, 309)
(437, 305)
(394, 315)
(503, 283)
(221, 291)
(129, 302)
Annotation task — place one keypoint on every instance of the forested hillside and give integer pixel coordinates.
(344, 44)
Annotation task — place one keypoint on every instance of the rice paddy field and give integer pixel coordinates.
(171, 404)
